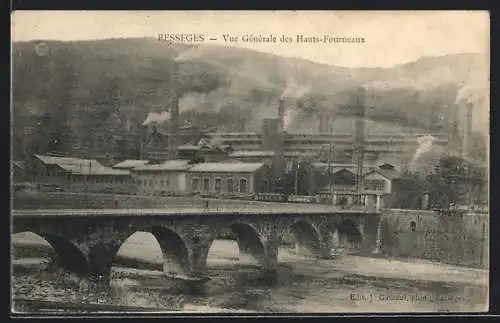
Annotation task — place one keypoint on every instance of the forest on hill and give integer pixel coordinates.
(93, 96)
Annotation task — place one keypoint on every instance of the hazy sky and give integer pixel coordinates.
(390, 37)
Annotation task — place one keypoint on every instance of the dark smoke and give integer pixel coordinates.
(201, 83)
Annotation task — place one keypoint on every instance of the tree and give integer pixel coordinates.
(299, 174)
(456, 181)
(410, 188)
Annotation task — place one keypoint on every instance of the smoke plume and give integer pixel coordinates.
(287, 119)
(154, 117)
(193, 53)
(294, 90)
(425, 145)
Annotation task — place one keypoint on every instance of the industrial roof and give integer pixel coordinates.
(92, 170)
(54, 160)
(79, 166)
(323, 167)
(189, 147)
(226, 167)
(131, 163)
(18, 164)
(252, 153)
(169, 165)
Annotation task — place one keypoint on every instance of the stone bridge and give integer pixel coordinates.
(87, 241)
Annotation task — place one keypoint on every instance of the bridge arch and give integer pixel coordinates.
(307, 238)
(69, 255)
(165, 247)
(174, 250)
(251, 247)
(349, 232)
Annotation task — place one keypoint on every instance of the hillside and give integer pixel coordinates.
(99, 92)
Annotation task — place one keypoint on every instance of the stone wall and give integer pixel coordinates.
(450, 237)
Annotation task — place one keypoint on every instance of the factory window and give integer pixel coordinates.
(217, 185)
(413, 226)
(230, 185)
(243, 185)
(206, 184)
(194, 185)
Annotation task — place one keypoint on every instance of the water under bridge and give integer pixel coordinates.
(87, 240)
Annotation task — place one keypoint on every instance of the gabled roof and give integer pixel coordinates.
(335, 168)
(18, 164)
(54, 160)
(93, 170)
(169, 165)
(79, 166)
(389, 174)
(131, 163)
(226, 167)
(389, 161)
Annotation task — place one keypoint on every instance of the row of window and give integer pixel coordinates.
(375, 185)
(152, 182)
(104, 179)
(227, 185)
(78, 179)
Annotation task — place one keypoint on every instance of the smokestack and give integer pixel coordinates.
(467, 129)
(324, 122)
(300, 105)
(281, 114)
(174, 114)
(359, 139)
(174, 129)
(273, 140)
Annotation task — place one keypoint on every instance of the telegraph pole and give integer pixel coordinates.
(330, 151)
(296, 186)
(359, 140)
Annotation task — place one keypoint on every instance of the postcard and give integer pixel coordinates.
(252, 162)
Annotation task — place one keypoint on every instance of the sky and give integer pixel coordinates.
(391, 38)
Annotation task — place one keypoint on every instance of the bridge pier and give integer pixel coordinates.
(70, 255)
(88, 243)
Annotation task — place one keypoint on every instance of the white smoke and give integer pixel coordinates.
(287, 118)
(425, 145)
(154, 117)
(293, 90)
(190, 54)
(469, 94)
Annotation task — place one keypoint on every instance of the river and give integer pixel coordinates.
(348, 283)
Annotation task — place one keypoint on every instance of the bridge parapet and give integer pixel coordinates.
(93, 237)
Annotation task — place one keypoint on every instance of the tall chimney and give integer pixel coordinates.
(273, 140)
(467, 129)
(281, 114)
(359, 139)
(300, 105)
(174, 114)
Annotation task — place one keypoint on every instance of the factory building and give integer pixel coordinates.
(76, 174)
(228, 179)
(314, 145)
(167, 178)
(18, 171)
